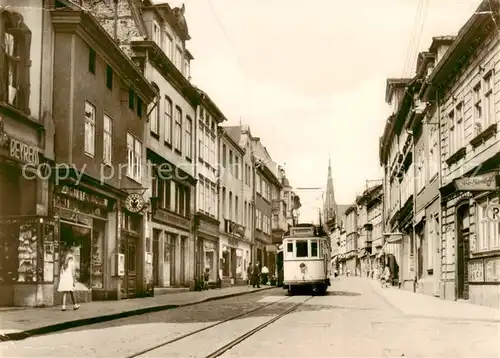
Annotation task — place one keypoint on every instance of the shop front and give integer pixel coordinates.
(233, 260)
(391, 255)
(471, 234)
(87, 228)
(208, 248)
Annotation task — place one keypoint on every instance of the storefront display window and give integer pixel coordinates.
(97, 255)
(76, 241)
(210, 259)
(239, 263)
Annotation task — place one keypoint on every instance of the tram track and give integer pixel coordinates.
(234, 342)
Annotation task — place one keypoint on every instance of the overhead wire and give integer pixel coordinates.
(414, 55)
(412, 36)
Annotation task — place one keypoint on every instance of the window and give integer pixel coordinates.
(230, 161)
(230, 206)
(187, 69)
(488, 99)
(212, 150)
(433, 162)
(168, 120)
(189, 137)
(169, 46)
(452, 145)
(201, 194)
(179, 59)
(314, 248)
(206, 142)
(131, 98)
(245, 213)
(139, 107)
(258, 219)
(107, 140)
(181, 199)
(420, 169)
(301, 248)
(224, 158)
(478, 109)
(157, 33)
(224, 209)
(236, 209)
(15, 61)
(89, 129)
(488, 237)
(178, 129)
(92, 58)
(154, 117)
(134, 157)
(236, 167)
(109, 77)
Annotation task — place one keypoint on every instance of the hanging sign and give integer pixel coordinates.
(134, 203)
(493, 212)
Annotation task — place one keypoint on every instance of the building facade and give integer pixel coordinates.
(234, 247)
(210, 172)
(351, 245)
(26, 154)
(463, 91)
(94, 96)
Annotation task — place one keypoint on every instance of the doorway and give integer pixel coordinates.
(76, 240)
(128, 247)
(156, 257)
(462, 251)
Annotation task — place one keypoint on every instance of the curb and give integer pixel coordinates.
(57, 327)
(424, 316)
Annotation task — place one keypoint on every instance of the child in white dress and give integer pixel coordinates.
(67, 282)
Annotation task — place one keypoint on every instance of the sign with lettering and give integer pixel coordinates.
(24, 152)
(493, 212)
(83, 195)
(476, 271)
(477, 182)
(492, 270)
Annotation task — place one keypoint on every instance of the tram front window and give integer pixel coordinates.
(301, 249)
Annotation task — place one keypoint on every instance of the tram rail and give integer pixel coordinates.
(232, 343)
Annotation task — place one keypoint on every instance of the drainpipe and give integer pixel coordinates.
(254, 207)
(415, 262)
(440, 181)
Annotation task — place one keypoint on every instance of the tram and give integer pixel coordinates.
(306, 258)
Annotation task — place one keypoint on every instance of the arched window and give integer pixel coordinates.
(15, 43)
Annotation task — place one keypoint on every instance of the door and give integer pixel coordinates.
(436, 237)
(167, 259)
(156, 257)
(183, 261)
(129, 249)
(462, 252)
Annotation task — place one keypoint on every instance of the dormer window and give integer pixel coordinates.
(187, 69)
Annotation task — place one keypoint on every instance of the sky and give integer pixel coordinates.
(309, 77)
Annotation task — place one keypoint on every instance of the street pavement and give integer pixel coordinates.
(17, 321)
(355, 319)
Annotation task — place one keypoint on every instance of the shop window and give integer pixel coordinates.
(488, 231)
(97, 255)
(76, 241)
(301, 249)
(49, 253)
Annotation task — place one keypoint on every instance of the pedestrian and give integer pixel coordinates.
(206, 278)
(386, 276)
(256, 275)
(264, 275)
(249, 274)
(67, 282)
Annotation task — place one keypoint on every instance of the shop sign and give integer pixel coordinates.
(134, 203)
(83, 196)
(476, 271)
(24, 152)
(492, 270)
(493, 212)
(477, 182)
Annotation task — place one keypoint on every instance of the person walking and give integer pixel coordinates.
(249, 274)
(256, 275)
(67, 282)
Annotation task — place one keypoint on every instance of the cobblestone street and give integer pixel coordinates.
(352, 320)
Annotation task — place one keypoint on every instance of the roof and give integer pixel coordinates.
(391, 84)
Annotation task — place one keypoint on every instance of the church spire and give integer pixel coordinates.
(329, 166)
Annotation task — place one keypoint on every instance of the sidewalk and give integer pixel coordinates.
(420, 305)
(16, 324)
